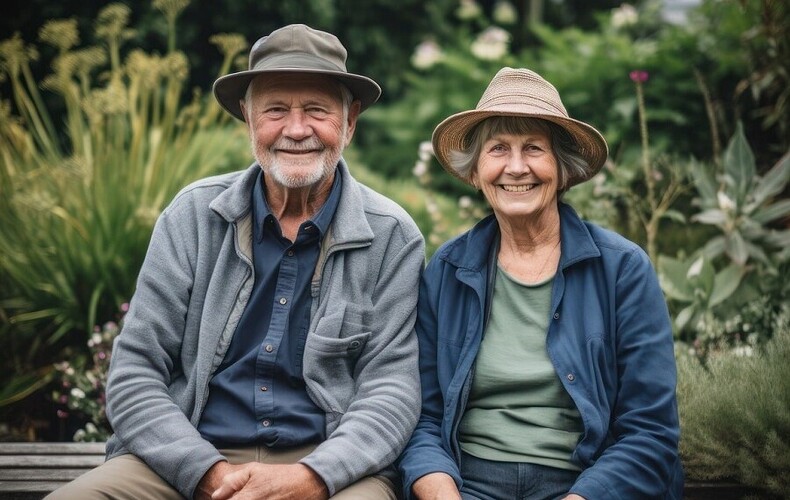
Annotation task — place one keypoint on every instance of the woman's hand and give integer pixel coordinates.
(435, 486)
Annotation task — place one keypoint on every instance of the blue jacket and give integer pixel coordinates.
(610, 342)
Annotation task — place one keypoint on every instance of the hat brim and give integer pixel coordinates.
(230, 89)
(451, 135)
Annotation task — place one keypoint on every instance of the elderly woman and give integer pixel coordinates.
(545, 342)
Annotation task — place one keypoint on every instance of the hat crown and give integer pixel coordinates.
(298, 46)
(521, 91)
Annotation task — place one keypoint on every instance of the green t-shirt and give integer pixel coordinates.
(518, 410)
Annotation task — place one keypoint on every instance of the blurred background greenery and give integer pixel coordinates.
(106, 111)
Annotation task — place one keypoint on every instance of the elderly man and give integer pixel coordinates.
(269, 349)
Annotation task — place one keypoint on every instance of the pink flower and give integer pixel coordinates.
(125, 307)
(63, 414)
(639, 76)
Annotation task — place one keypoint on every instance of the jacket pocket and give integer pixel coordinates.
(331, 353)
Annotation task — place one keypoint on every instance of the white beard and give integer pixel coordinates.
(298, 173)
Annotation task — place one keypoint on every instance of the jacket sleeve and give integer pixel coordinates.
(146, 361)
(384, 407)
(642, 459)
(424, 453)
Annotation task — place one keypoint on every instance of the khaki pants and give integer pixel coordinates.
(126, 477)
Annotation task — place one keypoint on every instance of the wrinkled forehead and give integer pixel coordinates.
(306, 84)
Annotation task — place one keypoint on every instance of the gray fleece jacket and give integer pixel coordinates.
(360, 359)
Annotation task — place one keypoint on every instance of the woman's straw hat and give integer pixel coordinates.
(519, 92)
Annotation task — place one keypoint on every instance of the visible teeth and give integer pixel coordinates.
(518, 189)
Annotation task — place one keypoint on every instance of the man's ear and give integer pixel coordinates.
(353, 114)
(243, 107)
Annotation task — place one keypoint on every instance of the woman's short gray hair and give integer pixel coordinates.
(570, 163)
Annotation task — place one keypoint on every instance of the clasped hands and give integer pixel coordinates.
(254, 480)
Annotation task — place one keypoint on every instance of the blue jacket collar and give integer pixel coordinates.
(471, 250)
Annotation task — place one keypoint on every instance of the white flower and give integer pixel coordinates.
(426, 150)
(491, 44)
(624, 15)
(465, 202)
(94, 340)
(78, 393)
(468, 9)
(420, 169)
(426, 55)
(743, 351)
(505, 13)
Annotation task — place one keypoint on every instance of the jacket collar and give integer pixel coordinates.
(471, 251)
(349, 225)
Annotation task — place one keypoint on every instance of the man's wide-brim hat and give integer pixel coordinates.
(295, 48)
(519, 92)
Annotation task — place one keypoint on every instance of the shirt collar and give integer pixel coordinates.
(322, 219)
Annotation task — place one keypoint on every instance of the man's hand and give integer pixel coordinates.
(213, 478)
(435, 486)
(254, 480)
(574, 496)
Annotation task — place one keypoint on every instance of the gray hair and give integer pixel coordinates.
(570, 163)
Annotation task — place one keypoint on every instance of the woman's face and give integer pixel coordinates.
(518, 174)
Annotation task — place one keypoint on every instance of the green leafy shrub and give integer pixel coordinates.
(78, 199)
(731, 284)
(734, 413)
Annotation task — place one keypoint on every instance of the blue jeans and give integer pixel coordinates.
(490, 480)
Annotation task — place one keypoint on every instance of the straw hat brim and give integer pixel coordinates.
(451, 135)
(230, 89)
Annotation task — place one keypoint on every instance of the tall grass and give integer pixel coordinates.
(734, 414)
(79, 193)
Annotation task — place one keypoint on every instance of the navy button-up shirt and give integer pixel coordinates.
(258, 394)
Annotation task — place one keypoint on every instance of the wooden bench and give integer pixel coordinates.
(32, 470)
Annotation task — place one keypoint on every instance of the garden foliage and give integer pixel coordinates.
(734, 417)
(79, 193)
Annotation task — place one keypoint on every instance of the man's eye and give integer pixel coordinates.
(316, 111)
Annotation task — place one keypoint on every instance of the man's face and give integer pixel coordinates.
(298, 128)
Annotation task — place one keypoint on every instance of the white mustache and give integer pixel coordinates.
(311, 143)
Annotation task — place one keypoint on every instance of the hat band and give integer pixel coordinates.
(518, 100)
(296, 61)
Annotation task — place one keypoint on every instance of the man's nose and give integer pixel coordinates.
(296, 125)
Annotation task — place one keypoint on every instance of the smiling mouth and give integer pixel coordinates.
(518, 189)
(298, 151)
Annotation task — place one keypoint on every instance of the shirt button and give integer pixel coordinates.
(283, 300)
(570, 377)
(269, 348)
(264, 388)
(290, 253)
(556, 315)
(266, 423)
